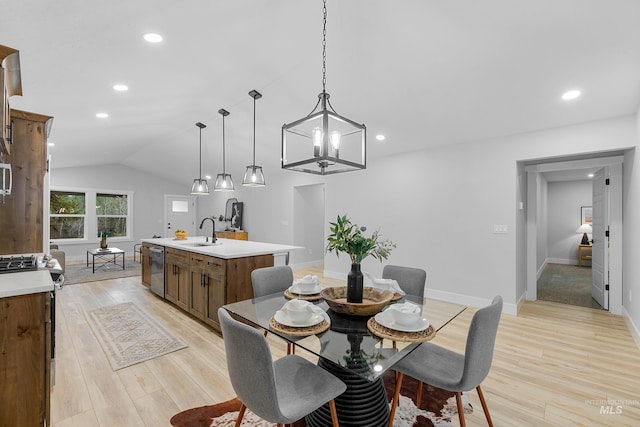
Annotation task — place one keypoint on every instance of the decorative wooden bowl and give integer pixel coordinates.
(181, 236)
(373, 301)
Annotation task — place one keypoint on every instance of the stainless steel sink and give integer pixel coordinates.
(202, 244)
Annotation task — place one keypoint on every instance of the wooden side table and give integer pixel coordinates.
(584, 254)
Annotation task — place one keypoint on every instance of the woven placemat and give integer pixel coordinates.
(299, 332)
(291, 295)
(397, 296)
(383, 332)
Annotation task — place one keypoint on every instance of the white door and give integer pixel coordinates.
(600, 253)
(180, 212)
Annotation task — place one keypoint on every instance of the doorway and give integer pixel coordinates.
(179, 213)
(308, 225)
(536, 227)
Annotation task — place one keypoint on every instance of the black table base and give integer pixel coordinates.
(363, 404)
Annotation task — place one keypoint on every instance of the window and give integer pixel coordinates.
(67, 215)
(112, 212)
(72, 218)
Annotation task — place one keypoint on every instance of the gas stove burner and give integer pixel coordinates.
(18, 263)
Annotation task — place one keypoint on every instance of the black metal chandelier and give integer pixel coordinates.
(200, 186)
(254, 177)
(223, 180)
(324, 142)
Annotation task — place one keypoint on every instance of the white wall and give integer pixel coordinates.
(308, 224)
(564, 200)
(148, 199)
(630, 246)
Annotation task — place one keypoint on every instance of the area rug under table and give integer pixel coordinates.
(129, 336)
(438, 407)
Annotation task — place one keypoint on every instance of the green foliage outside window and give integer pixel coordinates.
(112, 211)
(67, 210)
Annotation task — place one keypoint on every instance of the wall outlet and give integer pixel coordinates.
(500, 229)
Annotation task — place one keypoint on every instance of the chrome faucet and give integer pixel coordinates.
(213, 232)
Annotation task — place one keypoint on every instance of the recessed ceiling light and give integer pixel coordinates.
(207, 176)
(590, 175)
(571, 94)
(102, 115)
(153, 37)
(51, 144)
(380, 137)
(120, 87)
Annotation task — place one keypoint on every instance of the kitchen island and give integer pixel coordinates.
(200, 277)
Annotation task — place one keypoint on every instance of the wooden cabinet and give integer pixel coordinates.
(208, 288)
(177, 278)
(25, 360)
(145, 260)
(237, 235)
(22, 213)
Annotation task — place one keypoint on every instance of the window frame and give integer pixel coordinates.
(91, 216)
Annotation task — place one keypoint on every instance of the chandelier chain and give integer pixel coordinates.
(324, 46)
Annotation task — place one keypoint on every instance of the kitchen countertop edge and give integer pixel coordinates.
(227, 249)
(24, 283)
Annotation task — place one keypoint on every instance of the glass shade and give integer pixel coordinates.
(223, 182)
(585, 228)
(253, 177)
(324, 142)
(200, 186)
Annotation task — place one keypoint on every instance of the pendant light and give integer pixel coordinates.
(324, 142)
(223, 180)
(200, 185)
(254, 177)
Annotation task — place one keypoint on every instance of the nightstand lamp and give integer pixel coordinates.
(585, 229)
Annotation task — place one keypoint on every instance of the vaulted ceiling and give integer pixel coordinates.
(422, 72)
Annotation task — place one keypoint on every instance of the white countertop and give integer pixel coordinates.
(23, 283)
(224, 248)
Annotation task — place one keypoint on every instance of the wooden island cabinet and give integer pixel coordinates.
(199, 283)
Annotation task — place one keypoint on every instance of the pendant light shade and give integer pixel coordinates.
(223, 180)
(254, 177)
(200, 186)
(324, 142)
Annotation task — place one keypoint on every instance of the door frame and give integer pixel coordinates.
(194, 201)
(533, 172)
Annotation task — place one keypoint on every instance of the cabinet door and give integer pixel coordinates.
(145, 256)
(216, 290)
(177, 282)
(198, 303)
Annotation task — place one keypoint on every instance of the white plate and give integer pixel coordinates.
(385, 319)
(295, 289)
(282, 316)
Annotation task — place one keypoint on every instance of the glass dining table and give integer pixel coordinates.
(349, 350)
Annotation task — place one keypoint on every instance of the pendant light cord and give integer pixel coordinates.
(254, 131)
(224, 169)
(324, 46)
(200, 176)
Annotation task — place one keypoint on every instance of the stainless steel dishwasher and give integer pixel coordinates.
(157, 270)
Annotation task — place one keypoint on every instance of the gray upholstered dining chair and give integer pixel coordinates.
(280, 391)
(410, 279)
(448, 370)
(269, 280)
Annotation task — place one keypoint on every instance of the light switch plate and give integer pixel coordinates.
(500, 229)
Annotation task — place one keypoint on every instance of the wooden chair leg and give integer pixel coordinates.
(334, 413)
(485, 408)
(419, 399)
(460, 408)
(396, 397)
(240, 415)
(265, 333)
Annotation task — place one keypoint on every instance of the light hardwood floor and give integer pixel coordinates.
(554, 365)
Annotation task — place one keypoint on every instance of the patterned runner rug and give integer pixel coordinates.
(129, 336)
(438, 407)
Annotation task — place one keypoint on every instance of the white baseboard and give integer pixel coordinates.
(635, 333)
(307, 264)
